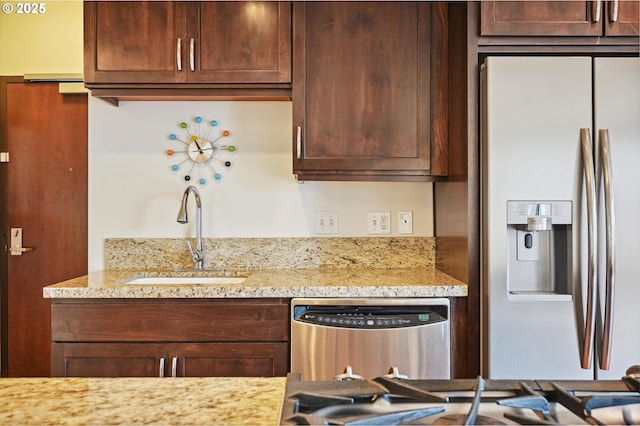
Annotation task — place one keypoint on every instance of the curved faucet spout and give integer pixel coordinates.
(197, 255)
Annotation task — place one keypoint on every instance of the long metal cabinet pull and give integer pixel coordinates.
(192, 58)
(299, 143)
(596, 9)
(614, 11)
(592, 243)
(179, 54)
(605, 154)
(174, 366)
(161, 367)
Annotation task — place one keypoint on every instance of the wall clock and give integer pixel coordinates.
(202, 147)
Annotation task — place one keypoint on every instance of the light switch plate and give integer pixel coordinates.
(326, 222)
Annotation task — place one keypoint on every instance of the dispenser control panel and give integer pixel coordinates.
(518, 212)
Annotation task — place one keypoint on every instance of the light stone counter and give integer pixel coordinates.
(285, 283)
(133, 401)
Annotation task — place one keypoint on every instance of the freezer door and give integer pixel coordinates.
(533, 109)
(617, 108)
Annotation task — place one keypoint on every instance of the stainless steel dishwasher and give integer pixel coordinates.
(370, 335)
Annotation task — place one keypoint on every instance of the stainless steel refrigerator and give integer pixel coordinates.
(560, 217)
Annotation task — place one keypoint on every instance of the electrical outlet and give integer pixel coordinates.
(326, 222)
(379, 222)
(405, 222)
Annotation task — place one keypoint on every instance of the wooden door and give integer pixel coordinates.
(254, 359)
(46, 196)
(362, 90)
(135, 42)
(626, 21)
(541, 18)
(110, 360)
(240, 42)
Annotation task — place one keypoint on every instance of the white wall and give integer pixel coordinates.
(134, 193)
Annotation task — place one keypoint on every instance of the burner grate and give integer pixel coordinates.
(394, 399)
(584, 407)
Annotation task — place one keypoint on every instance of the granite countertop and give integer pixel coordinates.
(130, 401)
(285, 283)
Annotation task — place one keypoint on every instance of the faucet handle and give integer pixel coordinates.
(196, 255)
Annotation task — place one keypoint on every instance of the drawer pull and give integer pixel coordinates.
(174, 366)
(161, 367)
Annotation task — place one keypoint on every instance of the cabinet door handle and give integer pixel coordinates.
(614, 11)
(192, 59)
(174, 366)
(596, 8)
(299, 143)
(161, 367)
(179, 54)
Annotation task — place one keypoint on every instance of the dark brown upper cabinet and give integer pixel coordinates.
(560, 18)
(623, 19)
(369, 91)
(240, 41)
(184, 45)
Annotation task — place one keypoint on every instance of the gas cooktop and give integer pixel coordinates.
(394, 399)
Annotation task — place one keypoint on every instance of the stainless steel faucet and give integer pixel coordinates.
(197, 255)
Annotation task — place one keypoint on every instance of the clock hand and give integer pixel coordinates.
(198, 145)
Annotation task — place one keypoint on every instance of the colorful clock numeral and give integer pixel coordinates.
(200, 150)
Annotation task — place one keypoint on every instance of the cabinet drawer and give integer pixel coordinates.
(175, 321)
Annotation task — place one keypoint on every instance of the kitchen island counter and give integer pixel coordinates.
(277, 283)
(129, 401)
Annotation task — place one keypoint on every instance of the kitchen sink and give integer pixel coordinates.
(183, 280)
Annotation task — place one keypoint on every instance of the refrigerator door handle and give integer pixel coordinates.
(605, 155)
(592, 243)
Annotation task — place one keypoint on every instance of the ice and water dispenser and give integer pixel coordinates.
(539, 248)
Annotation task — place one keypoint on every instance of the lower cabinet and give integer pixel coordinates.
(169, 360)
(170, 338)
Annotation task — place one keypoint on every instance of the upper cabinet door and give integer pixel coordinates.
(559, 18)
(134, 42)
(551, 18)
(239, 42)
(187, 42)
(623, 18)
(363, 89)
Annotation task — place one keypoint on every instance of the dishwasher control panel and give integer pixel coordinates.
(368, 319)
